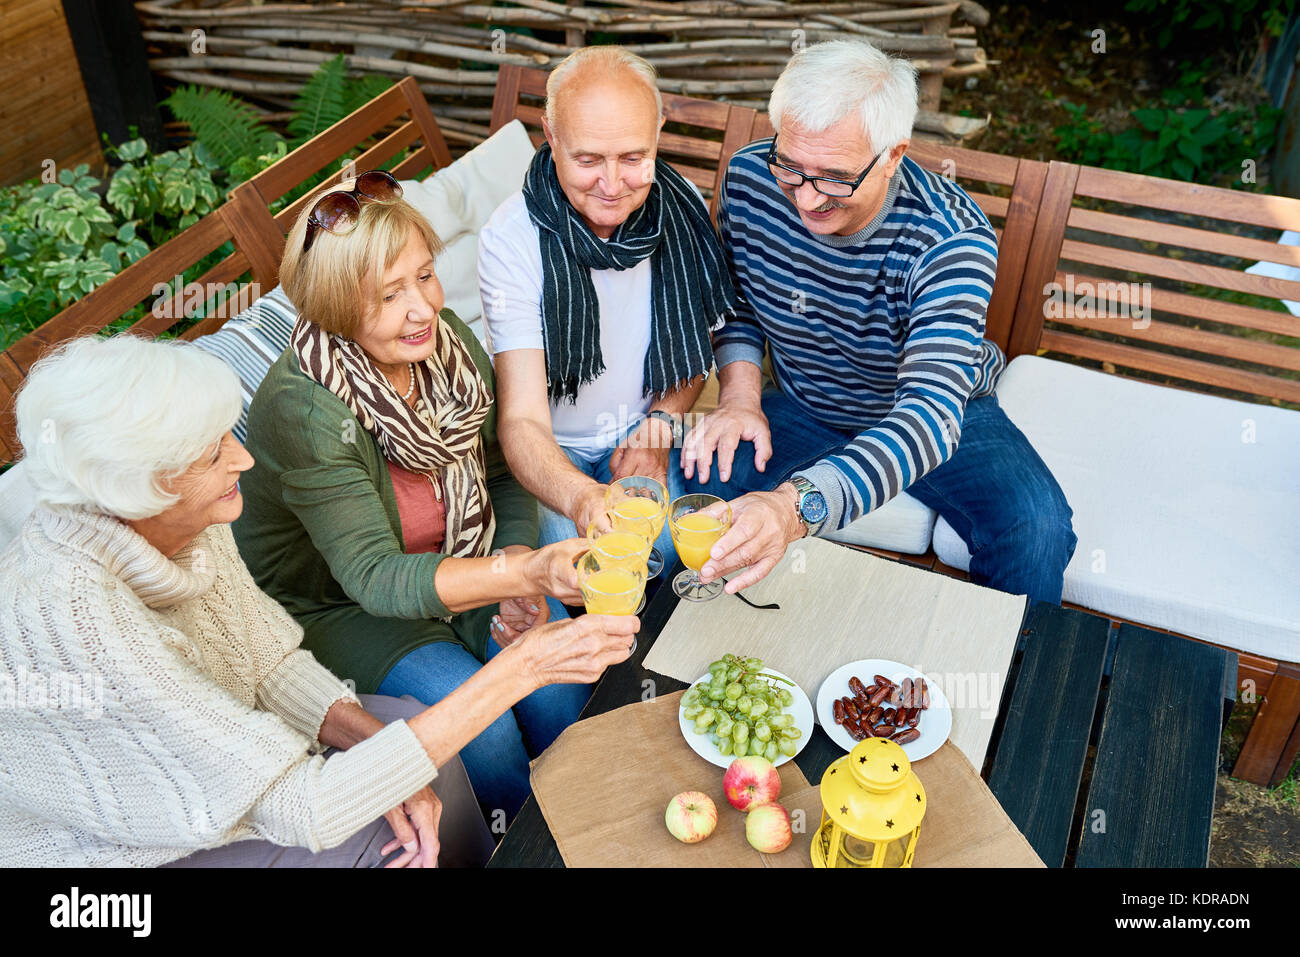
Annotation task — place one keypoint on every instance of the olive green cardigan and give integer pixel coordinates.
(321, 534)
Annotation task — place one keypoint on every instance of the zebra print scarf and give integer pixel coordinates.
(691, 289)
(441, 441)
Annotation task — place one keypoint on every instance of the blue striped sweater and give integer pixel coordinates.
(879, 334)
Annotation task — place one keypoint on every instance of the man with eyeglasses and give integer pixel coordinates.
(867, 278)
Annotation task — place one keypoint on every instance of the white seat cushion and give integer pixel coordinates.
(902, 524)
(1186, 505)
(459, 199)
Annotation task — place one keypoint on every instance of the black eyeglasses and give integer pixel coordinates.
(826, 185)
(337, 212)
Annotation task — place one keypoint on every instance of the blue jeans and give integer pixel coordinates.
(497, 760)
(995, 492)
(555, 527)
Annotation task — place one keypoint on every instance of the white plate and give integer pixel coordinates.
(936, 721)
(800, 707)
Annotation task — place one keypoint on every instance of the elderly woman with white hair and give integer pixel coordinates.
(202, 746)
(867, 278)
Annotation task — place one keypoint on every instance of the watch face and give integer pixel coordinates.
(813, 508)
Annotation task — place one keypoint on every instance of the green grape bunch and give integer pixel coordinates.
(743, 709)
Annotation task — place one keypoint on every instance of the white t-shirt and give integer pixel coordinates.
(510, 284)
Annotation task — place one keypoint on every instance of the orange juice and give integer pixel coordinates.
(694, 534)
(623, 548)
(612, 591)
(636, 507)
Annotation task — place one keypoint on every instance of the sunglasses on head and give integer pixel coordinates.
(337, 212)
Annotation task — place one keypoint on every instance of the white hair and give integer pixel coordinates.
(608, 58)
(822, 83)
(104, 422)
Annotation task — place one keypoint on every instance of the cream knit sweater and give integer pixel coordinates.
(206, 728)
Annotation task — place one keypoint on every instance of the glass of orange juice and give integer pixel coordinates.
(696, 522)
(627, 546)
(610, 588)
(634, 500)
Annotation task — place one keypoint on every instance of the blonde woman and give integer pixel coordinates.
(199, 742)
(381, 512)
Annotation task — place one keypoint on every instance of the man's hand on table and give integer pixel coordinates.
(762, 525)
(722, 430)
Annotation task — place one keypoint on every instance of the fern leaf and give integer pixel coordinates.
(321, 102)
(227, 127)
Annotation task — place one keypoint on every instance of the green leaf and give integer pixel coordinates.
(1167, 137)
(1183, 168)
(126, 232)
(1152, 120)
(1191, 149)
(78, 229)
(1194, 118)
(321, 102)
(1149, 155)
(132, 150)
(1210, 132)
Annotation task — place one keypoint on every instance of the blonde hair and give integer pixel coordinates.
(327, 284)
(825, 82)
(106, 423)
(608, 59)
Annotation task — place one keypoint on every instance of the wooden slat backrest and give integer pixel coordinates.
(245, 221)
(1012, 215)
(1109, 241)
(701, 159)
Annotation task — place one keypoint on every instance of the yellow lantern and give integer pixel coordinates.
(872, 805)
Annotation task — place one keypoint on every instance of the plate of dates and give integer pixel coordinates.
(884, 699)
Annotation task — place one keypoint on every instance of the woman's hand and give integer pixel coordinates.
(415, 826)
(516, 616)
(577, 650)
(553, 570)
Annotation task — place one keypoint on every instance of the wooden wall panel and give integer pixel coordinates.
(43, 107)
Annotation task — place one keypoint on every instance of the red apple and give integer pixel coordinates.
(750, 782)
(767, 827)
(691, 816)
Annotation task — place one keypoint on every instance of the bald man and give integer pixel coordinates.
(600, 281)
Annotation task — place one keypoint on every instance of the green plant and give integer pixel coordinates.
(1215, 16)
(58, 243)
(1176, 136)
(163, 193)
(231, 133)
(229, 130)
(330, 95)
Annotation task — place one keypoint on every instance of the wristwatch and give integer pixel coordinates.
(674, 423)
(811, 505)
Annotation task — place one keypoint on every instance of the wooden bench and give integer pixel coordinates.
(1035, 207)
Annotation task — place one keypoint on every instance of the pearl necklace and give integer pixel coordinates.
(411, 391)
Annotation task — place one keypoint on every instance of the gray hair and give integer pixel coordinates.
(104, 422)
(824, 82)
(610, 59)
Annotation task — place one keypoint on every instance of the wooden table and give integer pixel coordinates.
(1105, 750)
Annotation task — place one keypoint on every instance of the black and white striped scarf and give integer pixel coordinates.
(443, 442)
(691, 289)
